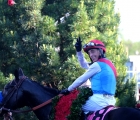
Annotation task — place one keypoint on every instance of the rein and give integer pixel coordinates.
(9, 95)
(32, 109)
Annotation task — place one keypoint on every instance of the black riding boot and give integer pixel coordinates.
(83, 116)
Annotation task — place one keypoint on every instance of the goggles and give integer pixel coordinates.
(90, 44)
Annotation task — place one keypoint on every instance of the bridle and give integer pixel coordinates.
(13, 90)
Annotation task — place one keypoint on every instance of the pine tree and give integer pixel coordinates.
(2, 81)
(27, 37)
(39, 37)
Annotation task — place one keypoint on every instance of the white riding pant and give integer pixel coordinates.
(97, 102)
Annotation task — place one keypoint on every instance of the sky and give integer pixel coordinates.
(130, 19)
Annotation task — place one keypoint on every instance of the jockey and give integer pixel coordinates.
(102, 75)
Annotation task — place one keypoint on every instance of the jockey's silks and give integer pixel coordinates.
(110, 64)
(104, 82)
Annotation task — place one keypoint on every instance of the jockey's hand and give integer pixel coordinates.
(78, 45)
(65, 92)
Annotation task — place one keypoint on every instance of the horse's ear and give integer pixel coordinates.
(21, 72)
(16, 74)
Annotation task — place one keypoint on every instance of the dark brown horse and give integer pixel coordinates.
(24, 92)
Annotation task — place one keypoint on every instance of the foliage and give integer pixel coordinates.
(24, 116)
(4, 80)
(126, 93)
(76, 111)
(27, 39)
(54, 103)
(129, 45)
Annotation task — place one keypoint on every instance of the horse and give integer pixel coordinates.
(22, 91)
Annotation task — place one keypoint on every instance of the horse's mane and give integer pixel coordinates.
(48, 89)
(51, 91)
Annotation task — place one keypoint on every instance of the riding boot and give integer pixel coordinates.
(83, 116)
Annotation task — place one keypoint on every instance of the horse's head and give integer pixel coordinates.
(12, 92)
(22, 91)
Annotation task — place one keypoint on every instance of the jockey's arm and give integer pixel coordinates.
(83, 63)
(93, 69)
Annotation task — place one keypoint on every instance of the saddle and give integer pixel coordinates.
(100, 114)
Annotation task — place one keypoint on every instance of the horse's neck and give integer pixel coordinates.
(43, 113)
(35, 91)
(38, 95)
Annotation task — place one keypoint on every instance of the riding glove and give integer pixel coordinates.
(65, 92)
(78, 45)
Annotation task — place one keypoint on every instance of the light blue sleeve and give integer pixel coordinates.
(93, 69)
(83, 63)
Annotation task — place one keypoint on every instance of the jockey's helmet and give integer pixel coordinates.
(94, 44)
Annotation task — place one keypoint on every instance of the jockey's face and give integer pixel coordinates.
(94, 54)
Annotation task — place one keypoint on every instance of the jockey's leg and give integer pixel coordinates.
(97, 102)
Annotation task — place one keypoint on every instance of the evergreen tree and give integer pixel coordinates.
(27, 37)
(2, 81)
(39, 37)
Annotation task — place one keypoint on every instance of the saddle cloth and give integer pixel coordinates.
(100, 114)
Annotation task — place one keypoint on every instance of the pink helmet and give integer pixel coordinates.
(94, 44)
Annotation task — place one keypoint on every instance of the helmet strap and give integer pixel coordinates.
(102, 53)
